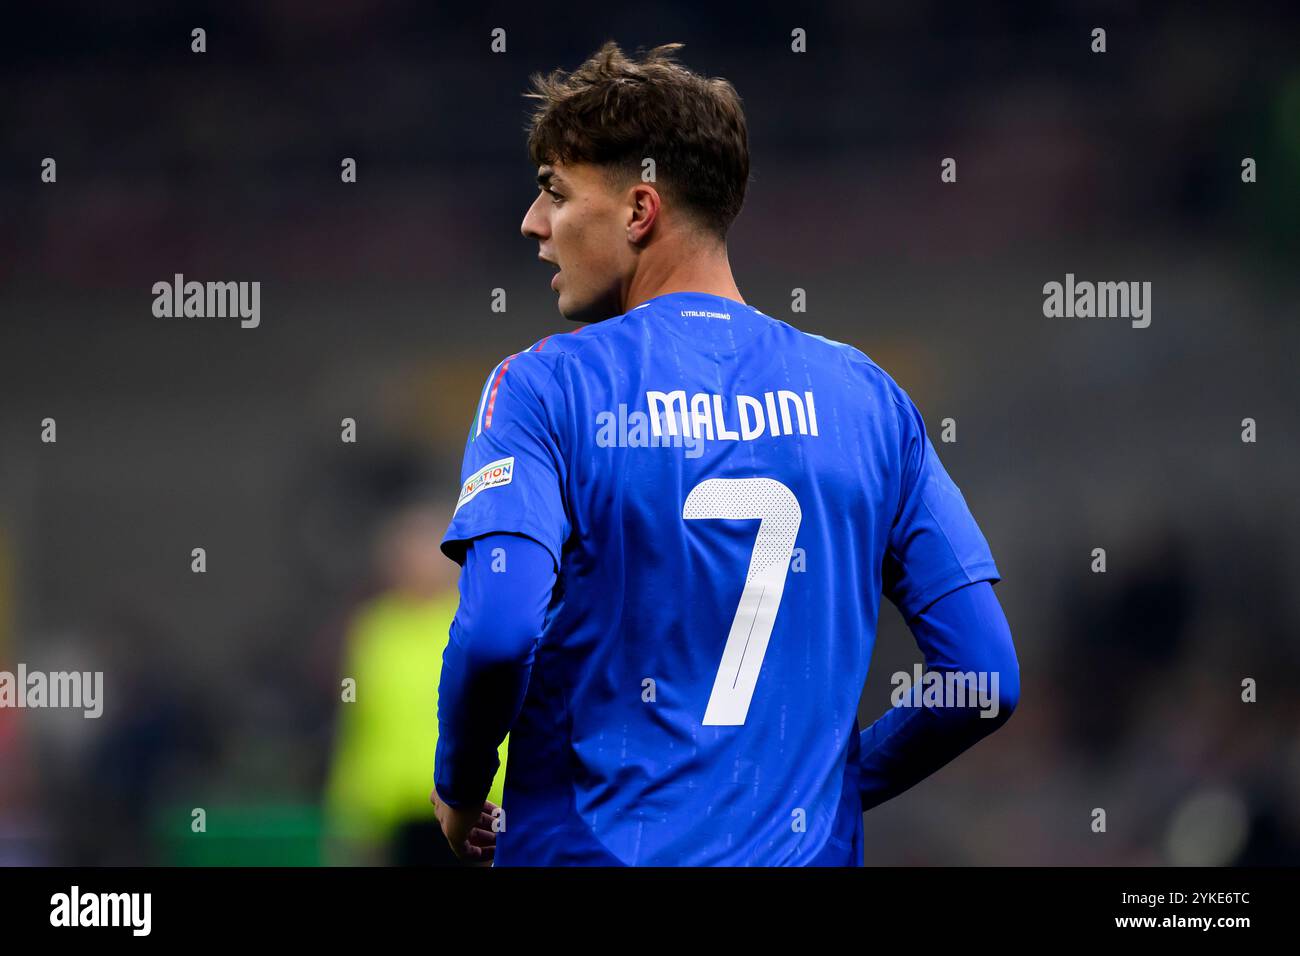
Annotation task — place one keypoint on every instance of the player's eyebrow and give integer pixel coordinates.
(546, 176)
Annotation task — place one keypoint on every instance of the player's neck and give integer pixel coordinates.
(706, 272)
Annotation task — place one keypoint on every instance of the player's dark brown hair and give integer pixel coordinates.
(614, 111)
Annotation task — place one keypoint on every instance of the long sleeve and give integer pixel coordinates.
(963, 631)
(505, 588)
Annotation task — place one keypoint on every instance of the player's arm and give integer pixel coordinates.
(507, 532)
(505, 588)
(939, 571)
(963, 631)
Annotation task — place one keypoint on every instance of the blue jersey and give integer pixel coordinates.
(725, 498)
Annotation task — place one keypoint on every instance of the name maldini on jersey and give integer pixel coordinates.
(708, 416)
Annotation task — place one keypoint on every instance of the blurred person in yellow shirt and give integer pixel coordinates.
(377, 808)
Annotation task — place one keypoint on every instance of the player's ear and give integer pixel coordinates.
(643, 211)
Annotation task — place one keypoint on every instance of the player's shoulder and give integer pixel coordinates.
(853, 358)
(531, 367)
(596, 344)
(535, 368)
(551, 349)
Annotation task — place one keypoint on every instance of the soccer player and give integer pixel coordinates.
(675, 525)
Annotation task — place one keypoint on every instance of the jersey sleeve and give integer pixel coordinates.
(512, 477)
(965, 630)
(935, 545)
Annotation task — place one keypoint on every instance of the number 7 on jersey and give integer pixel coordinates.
(742, 657)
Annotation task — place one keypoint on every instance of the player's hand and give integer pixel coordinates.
(468, 831)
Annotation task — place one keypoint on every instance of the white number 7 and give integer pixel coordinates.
(776, 505)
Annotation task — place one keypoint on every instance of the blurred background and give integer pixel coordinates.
(222, 689)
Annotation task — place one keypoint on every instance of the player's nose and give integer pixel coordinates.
(534, 224)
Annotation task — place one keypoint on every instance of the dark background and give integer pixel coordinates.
(221, 689)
